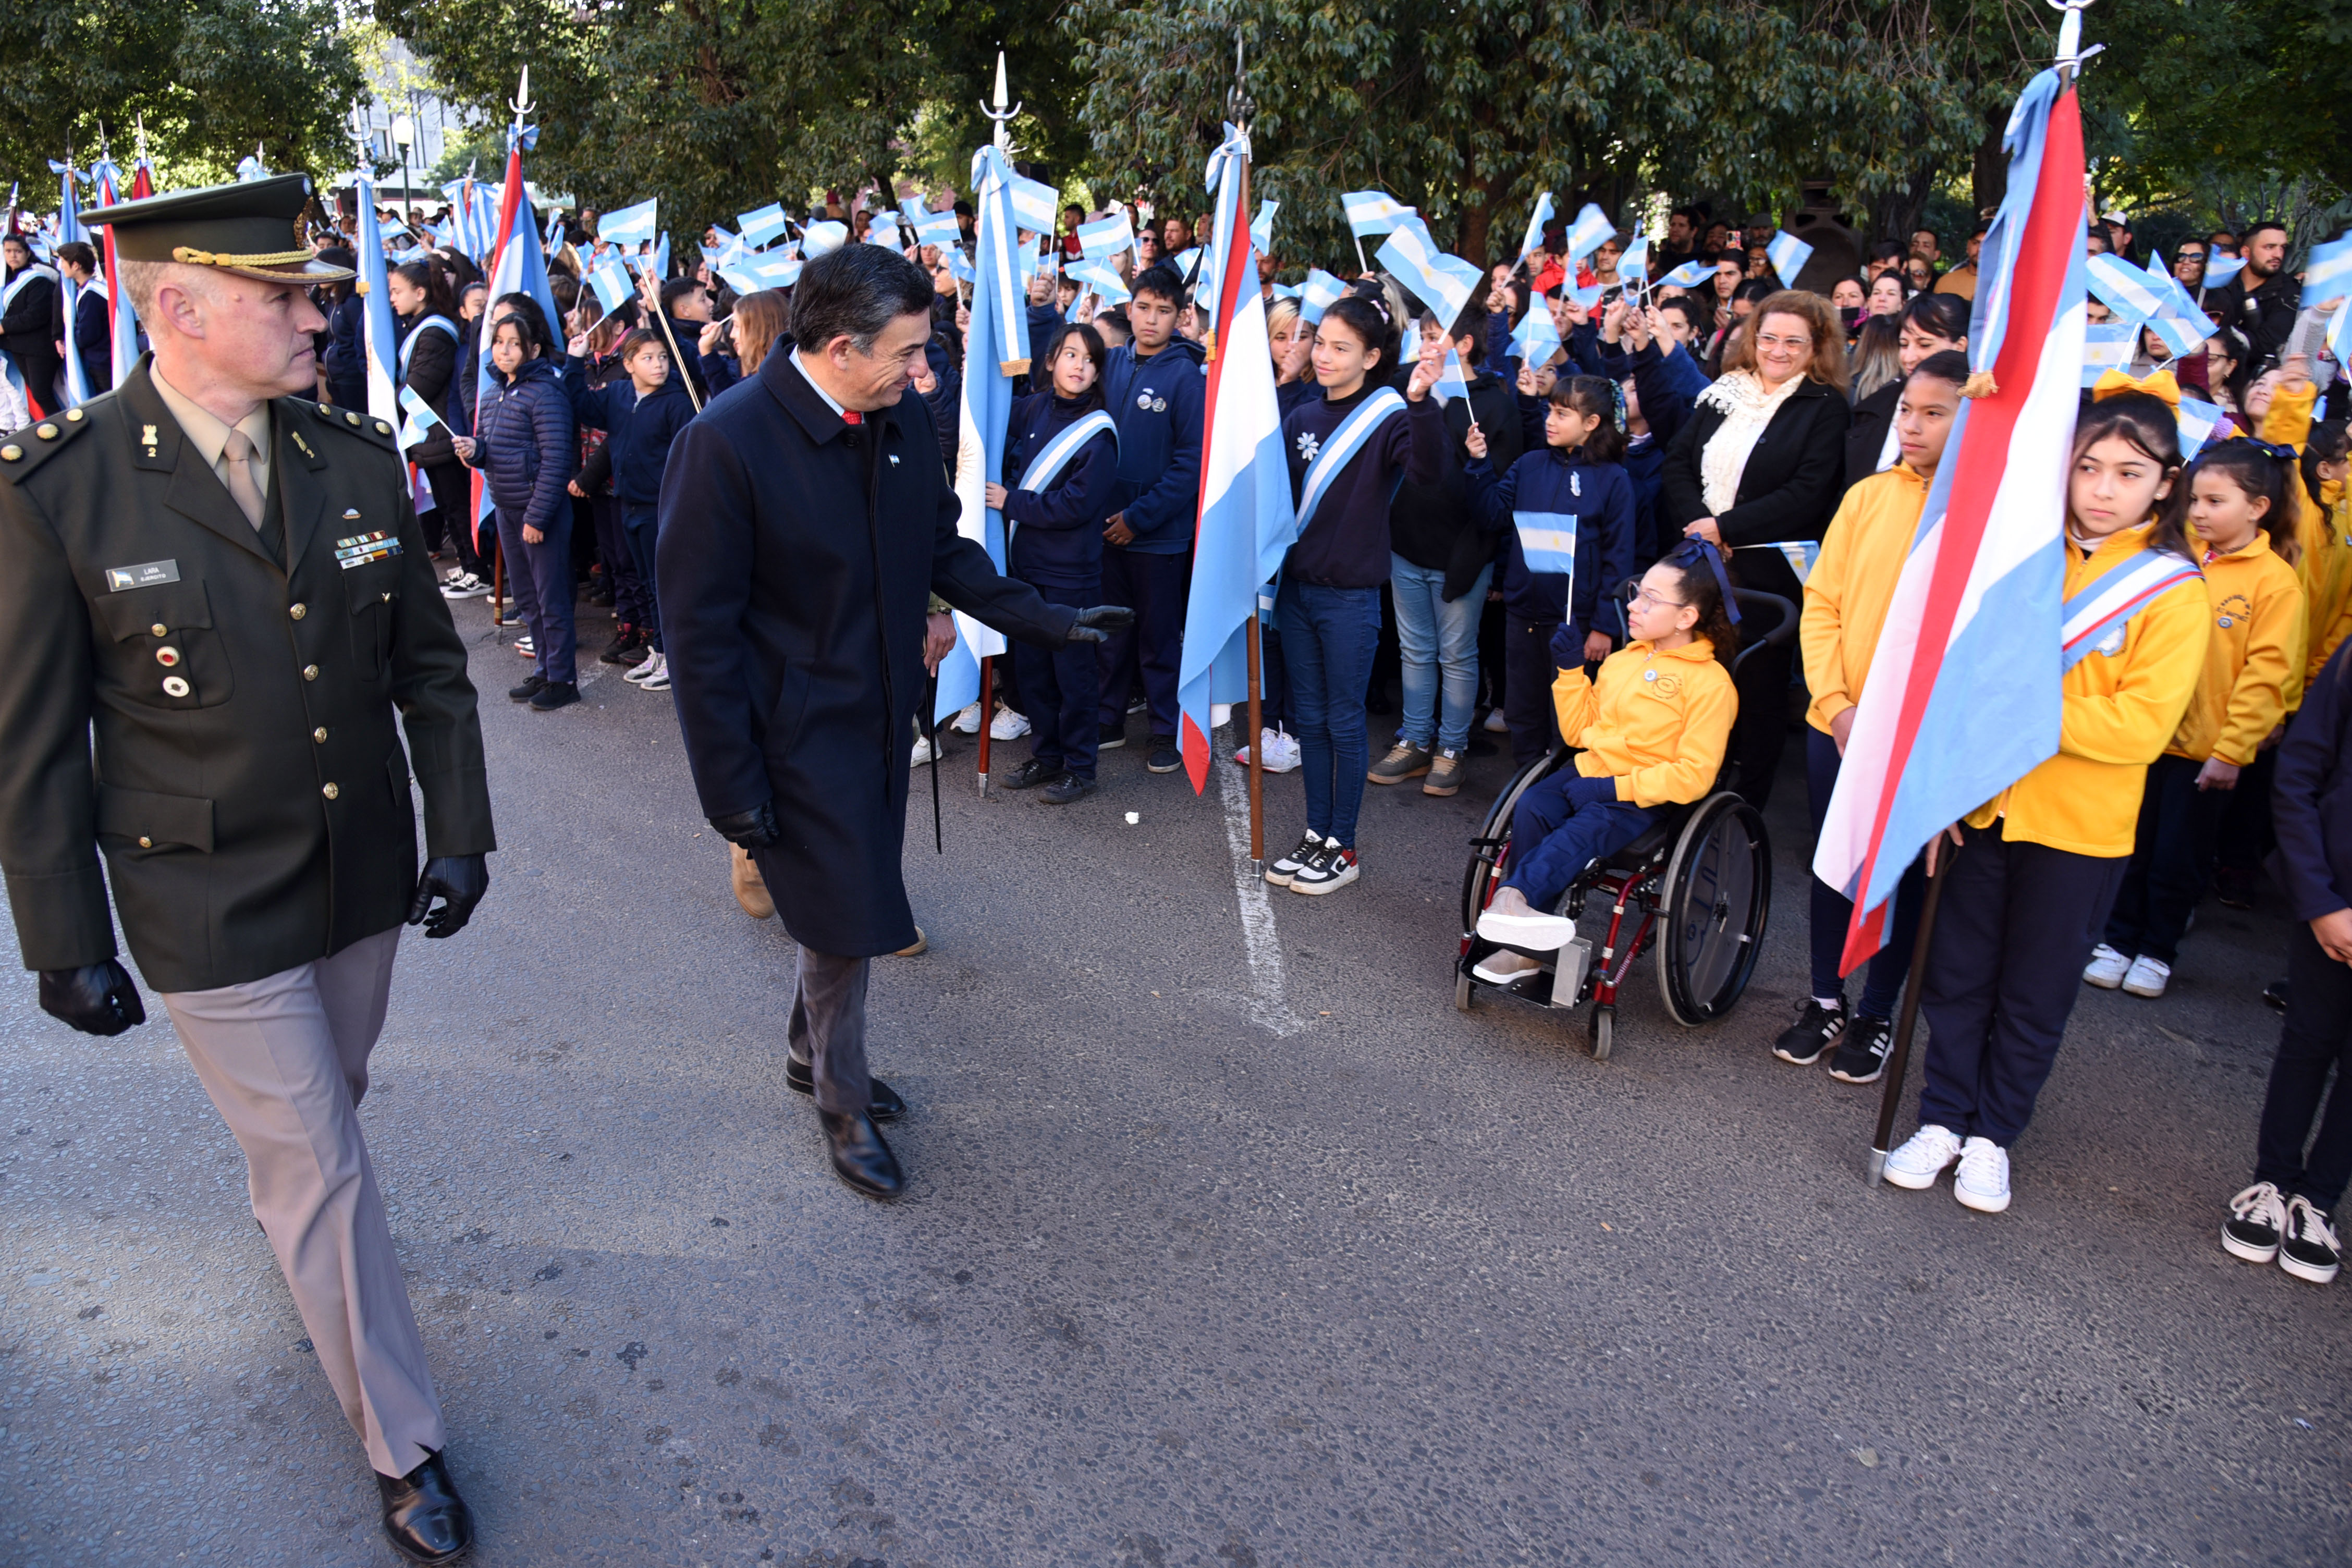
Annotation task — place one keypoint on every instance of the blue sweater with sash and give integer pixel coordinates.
(1346, 543)
(1056, 533)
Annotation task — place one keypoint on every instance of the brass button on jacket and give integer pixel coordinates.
(298, 611)
(331, 791)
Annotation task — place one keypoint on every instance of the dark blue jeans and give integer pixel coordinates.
(540, 578)
(2171, 851)
(1551, 840)
(2317, 1036)
(643, 526)
(1832, 911)
(1328, 638)
(1059, 688)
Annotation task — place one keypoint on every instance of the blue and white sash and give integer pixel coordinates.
(2095, 617)
(1342, 447)
(15, 285)
(1047, 465)
(408, 343)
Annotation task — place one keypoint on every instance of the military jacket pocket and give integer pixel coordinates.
(167, 653)
(146, 821)
(375, 593)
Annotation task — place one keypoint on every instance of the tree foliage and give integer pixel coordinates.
(214, 78)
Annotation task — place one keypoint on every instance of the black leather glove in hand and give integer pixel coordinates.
(1096, 624)
(97, 998)
(459, 880)
(752, 829)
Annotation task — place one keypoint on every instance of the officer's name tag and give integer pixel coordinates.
(361, 548)
(146, 574)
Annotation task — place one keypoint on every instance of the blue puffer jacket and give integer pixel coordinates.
(525, 441)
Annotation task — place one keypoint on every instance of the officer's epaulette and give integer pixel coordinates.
(30, 447)
(350, 422)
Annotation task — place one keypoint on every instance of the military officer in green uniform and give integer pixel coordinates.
(217, 603)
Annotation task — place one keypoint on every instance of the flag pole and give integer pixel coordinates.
(1243, 110)
(1898, 1056)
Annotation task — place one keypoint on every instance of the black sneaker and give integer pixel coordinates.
(1280, 872)
(628, 648)
(555, 694)
(527, 690)
(1862, 1050)
(1817, 1028)
(2274, 994)
(1032, 773)
(1330, 868)
(2257, 1216)
(2307, 1247)
(1164, 758)
(1067, 789)
(1110, 737)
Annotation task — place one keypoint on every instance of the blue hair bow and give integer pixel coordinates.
(2277, 449)
(1686, 556)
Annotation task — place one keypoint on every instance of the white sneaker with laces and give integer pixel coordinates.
(1982, 1181)
(922, 752)
(2147, 977)
(968, 721)
(1281, 751)
(525, 646)
(2107, 968)
(639, 672)
(1496, 723)
(659, 679)
(1008, 725)
(1922, 1158)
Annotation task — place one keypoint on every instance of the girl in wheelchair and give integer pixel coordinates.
(1651, 730)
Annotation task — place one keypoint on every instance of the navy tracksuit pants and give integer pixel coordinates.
(1058, 687)
(1155, 587)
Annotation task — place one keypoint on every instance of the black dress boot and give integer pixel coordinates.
(883, 1102)
(423, 1518)
(860, 1158)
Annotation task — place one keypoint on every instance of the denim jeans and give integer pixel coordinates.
(1328, 638)
(642, 526)
(1439, 645)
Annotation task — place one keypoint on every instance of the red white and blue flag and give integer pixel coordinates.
(1247, 522)
(1963, 696)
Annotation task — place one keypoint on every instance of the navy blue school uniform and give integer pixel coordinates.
(1328, 605)
(1056, 547)
(1158, 403)
(2312, 806)
(1600, 496)
(638, 432)
(93, 342)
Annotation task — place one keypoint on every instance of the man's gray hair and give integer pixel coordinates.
(142, 280)
(856, 292)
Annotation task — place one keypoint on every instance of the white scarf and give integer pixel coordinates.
(1748, 408)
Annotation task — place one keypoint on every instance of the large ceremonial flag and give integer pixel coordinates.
(1246, 519)
(69, 227)
(126, 317)
(995, 351)
(1963, 699)
(383, 343)
(519, 266)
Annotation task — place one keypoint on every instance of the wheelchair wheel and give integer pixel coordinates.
(1478, 877)
(1462, 988)
(1716, 898)
(1603, 1031)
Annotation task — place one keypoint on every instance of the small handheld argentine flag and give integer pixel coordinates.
(2124, 288)
(1689, 275)
(1592, 227)
(1318, 294)
(1372, 212)
(1451, 381)
(824, 238)
(1586, 296)
(882, 229)
(1032, 204)
(1261, 227)
(1446, 284)
(1633, 266)
(763, 225)
(2327, 272)
(1546, 541)
(2220, 269)
(1787, 255)
(2197, 421)
(1105, 236)
(630, 227)
(611, 282)
(1537, 336)
(936, 228)
(1100, 278)
(2106, 345)
(1537, 221)
(421, 417)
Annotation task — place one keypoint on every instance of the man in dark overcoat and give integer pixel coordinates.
(221, 618)
(805, 522)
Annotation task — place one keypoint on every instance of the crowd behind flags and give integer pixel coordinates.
(1629, 355)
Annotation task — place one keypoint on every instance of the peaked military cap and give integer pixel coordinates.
(252, 228)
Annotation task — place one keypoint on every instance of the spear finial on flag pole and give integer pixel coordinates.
(2070, 34)
(1000, 114)
(520, 102)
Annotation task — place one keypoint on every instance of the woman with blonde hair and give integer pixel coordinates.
(1759, 471)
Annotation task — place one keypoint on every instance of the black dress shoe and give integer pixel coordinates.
(2275, 993)
(1031, 773)
(883, 1103)
(424, 1517)
(860, 1158)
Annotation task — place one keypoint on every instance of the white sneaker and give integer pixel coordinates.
(465, 586)
(1502, 967)
(922, 752)
(525, 646)
(1543, 933)
(1008, 725)
(2107, 968)
(968, 721)
(1496, 723)
(2149, 976)
(639, 672)
(1982, 1181)
(659, 679)
(1923, 1157)
(1281, 752)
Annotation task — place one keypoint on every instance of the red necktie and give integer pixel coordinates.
(851, 417)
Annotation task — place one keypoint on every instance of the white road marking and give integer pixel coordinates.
(1269, 1005)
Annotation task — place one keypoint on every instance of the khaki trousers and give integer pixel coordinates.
(285, 1060)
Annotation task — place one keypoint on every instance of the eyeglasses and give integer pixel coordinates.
(1773, 340)
(1644, 597)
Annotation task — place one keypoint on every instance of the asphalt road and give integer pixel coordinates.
(1230, 1242)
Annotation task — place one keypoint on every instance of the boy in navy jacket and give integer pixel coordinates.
(641, 414)
(1156, 389)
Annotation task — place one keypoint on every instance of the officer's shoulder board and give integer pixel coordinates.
(348, 421)
(22, 451)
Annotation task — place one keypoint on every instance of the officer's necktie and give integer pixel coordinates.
(237, 451)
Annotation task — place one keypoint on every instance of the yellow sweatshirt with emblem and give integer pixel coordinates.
(2253, 659)
(2325, 531)
(1656, 720)
(2117, 714)
(1851, 584)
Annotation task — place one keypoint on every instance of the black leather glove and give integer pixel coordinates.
(459, 880)
(97, 998)
(752, 829)
(1096, 624)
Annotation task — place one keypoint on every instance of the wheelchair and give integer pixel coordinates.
(1696, 887)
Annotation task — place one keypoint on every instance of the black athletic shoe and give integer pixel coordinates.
(553, 695)
(1817, 1028)
(527, 690)
(1862, 1051)
(2274, 994)
(1067, 789)
(1164, 758)
(1110, 737)
(1281, 872)
(1032, 773)
(628, 648)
